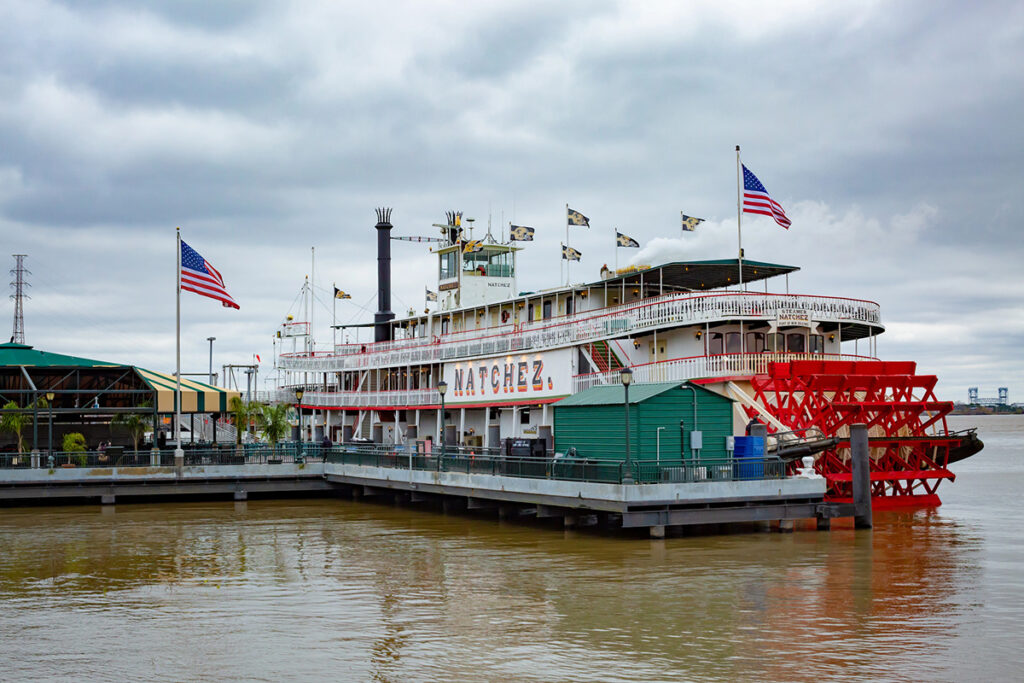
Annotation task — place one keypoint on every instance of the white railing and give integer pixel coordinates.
(369, 399)
(659, 312)
(682, 369)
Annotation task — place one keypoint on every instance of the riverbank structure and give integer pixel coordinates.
(62, 393)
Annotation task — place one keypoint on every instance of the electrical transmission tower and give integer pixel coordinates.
(19, 272)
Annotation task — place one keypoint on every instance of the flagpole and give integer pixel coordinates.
(179, 454)
(334, 317)
(312, 296)
(739, 213)
(616, 250)
(566, 242)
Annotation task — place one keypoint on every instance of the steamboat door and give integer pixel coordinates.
(657, 351)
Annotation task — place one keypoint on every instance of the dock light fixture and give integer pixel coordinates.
(626, 375)
(298, 400)
(49, 406)
(442, 387)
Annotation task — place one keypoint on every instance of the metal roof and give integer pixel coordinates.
(612, 394)
(699, 275)
(22, 354)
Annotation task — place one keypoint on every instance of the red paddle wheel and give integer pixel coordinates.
(906, 424)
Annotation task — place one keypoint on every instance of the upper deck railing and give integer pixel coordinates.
(671, 310)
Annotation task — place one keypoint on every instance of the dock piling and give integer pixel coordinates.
(861, 465)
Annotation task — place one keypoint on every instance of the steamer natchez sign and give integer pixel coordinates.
(510, 378)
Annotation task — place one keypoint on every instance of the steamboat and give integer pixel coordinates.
(804, 365)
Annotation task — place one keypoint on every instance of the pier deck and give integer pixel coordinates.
(647, 494)
(106, 484)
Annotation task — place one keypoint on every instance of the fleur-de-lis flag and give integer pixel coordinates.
(338, 294)
(431, 296)
(473, 245)
(689, 222)
(520, 233)
(577, 218)
(625, 240)
(570, 253)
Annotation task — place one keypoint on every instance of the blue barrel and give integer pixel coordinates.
(749, 448)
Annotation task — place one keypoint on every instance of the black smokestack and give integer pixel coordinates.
(381, 328)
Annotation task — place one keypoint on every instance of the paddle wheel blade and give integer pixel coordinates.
(909, 439)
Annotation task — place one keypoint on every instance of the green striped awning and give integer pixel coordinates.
(196, 397)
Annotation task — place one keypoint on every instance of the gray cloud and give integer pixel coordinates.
(889, 132)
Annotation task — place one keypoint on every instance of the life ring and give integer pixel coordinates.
(504, 316)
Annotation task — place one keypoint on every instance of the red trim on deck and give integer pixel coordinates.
(437, 406)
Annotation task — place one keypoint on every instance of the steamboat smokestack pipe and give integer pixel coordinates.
(381, 328)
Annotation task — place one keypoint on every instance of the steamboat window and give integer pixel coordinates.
(449, 265)
(715, 344)
(568, 304)
(796, 343)
(445, 325)
(732, 342)
(524, 416)
(547, 309)
(776, 343)
(755, 342)
(817, 343)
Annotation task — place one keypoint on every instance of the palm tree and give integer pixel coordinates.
(244, 412)
(134, 423)
(273, 420)
(14, 419)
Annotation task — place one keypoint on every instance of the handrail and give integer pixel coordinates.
(692, 367)
(615, 321)
(598, 470)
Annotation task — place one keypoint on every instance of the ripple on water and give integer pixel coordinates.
(306, 589)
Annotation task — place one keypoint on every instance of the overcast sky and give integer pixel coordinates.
(890, 132)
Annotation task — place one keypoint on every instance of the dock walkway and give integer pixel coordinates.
(646, 494)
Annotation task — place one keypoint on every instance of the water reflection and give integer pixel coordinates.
(266, 589)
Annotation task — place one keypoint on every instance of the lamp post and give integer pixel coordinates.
(211, 340)
(49, 404)
(298, 407)
(442, 387)
(626, 375)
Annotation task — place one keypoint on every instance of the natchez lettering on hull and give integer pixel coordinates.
(511, 378)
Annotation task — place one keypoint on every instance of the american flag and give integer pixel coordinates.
(197, 275)
(757, 200)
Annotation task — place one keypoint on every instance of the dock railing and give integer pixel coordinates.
(468, 460)
(225, 454)
(490, 461)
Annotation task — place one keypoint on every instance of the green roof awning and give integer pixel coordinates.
(613, 394)
(196, 397)
(23, 354)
